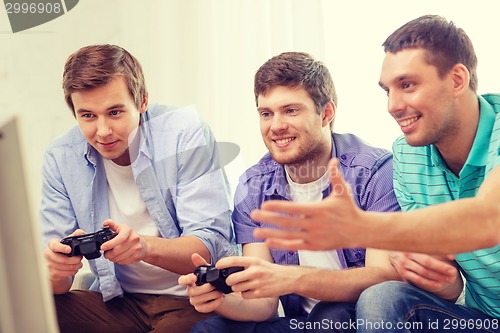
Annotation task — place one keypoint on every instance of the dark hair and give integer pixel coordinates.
(296, 69)
(96, 65)
(446, 44)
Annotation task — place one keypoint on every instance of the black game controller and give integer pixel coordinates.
(88, 245)
(216, 277)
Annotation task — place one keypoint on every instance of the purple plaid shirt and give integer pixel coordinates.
(367, 170)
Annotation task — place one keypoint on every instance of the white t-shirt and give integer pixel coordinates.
(319, 259)
(126, 206)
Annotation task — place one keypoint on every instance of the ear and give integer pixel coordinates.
(328, 114)
(460, 76)
(144, 105)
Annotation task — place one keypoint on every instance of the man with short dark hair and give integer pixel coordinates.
(296, 105)
(446, 179)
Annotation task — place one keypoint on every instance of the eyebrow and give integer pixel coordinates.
(282, 107)
(397, 79)
(115, 106)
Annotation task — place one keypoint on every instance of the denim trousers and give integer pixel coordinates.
(397, 307)
(324, 317)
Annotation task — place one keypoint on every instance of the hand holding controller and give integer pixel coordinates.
(216, 277)
(88, 245)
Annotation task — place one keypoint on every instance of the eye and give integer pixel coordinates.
(292, 111)
(87, 115)
(265, 114)
(407, 85)
(115, 112)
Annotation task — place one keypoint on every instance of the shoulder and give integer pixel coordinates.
(171, 117)
(352, 151)
(72, 140)
(265, 168)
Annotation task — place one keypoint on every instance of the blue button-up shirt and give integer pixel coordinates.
(177, 173)
(367, 170)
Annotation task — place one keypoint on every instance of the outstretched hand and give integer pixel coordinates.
(325, 225)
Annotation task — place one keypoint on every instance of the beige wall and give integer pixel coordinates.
(205, 52)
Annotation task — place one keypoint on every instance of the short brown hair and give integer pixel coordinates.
(96, 65)
(445, 44)
(296, 69)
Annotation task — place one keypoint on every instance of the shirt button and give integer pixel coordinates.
(343, 156)
(291, 253)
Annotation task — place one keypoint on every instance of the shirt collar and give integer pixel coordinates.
(479, 150)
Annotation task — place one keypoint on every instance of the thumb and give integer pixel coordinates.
(198, 260)
(339, 186)
(111, 224)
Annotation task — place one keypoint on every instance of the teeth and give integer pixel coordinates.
(283, 141)
(407, 122)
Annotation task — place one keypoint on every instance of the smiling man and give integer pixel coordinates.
(296, 105)
(446, 178)
(148, 172)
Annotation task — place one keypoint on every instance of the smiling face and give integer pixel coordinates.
(422, 102)
(292, 130)
(107, 116)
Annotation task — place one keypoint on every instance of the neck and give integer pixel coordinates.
(456, 148)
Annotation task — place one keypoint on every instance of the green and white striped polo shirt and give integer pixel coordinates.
(421, 178)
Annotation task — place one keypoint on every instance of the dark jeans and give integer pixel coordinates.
(325, 317)
(398, 307)
(84, 311)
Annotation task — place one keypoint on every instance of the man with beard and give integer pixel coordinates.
(446, 178)
(296, 104)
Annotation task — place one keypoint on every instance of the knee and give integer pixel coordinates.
(383, 299)
(211, 325)
(336, 311)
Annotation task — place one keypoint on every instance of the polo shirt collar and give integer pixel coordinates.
(479, 151)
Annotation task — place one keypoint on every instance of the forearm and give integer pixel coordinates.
(235, 307)
(61, 286)
(339, 285)
(174, 254)
(439, 229)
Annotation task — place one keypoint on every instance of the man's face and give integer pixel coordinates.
(419, 100)
(292, 130)
(107, 116)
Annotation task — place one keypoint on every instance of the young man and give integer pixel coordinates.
(449, 159)
(296, 102)
(150, 174)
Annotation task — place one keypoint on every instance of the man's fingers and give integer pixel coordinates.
(435, 265)
(337, 181)
(198, 260)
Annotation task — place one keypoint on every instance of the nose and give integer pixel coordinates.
(278, 123)
(395, 103)
(103, 128)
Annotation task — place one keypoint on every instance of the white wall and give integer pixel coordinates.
(205, 52)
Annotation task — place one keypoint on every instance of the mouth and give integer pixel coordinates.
(407, 123)
(283, 141)
(107, 145)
